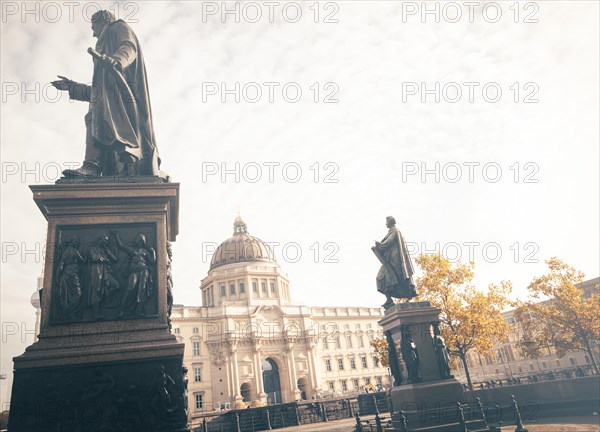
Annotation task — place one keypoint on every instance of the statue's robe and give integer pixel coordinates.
(395, 275)
(119, 121)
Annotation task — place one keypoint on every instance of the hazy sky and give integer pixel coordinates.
(528, 187)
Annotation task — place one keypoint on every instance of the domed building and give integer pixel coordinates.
(250, 345)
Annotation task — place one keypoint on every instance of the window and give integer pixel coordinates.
(587, 359)
(196, 348)
(370, 337)
(344, 385)
(325, 344)
(530, 366)
(367, 381)
(348, 341)
(378, 380)
(375, 361)
(263, 286)
(328, 365)
(223, 291)
(337, 343)
(544, 365)
(364, 362)
(198, 399)
(352, 363)
(369, 326)
(558, 363)
(254, 287)
(242, 288)
(197, 374)
(357, 326)
(331, 385)
(341, 364)
(195, 330)
(346, 326)
(272, 287)
(361, 341)
(176, 330)
(356, 384)
(572, 360)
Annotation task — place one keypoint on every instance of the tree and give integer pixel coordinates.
(559, 314)
(380, 346)
(470, 319)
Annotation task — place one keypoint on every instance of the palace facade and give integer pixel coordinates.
(250, 345)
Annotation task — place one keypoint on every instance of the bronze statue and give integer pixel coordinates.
(169, 283)
(139, 285)
(120, 135)
(441, 354)
(102, 281)
(395, 276)
(68, 278)
(411, 359)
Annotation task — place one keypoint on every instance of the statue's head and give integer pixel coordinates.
(169, 249)
(74, 241)
(103, 239)
(140, 240)
(101, 19)
(390, 221)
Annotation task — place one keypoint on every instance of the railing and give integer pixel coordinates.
(292, 414)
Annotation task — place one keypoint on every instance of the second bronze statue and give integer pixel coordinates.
(394, 279)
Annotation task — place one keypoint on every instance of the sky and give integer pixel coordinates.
(476, 128)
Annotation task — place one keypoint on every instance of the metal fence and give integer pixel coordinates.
(293, 414)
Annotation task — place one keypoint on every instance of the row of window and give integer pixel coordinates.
(352, 361)
(334, 342)
(231, 289)
(344, 384)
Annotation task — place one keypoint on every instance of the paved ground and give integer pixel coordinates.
(584, 424)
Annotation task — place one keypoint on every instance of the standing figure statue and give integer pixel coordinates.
(441, 354)
(139, 285)
(169, 283)
(161, 393)
(102, 281)
(68, 278)
(120, 135)
(395, 275)
(411, 359)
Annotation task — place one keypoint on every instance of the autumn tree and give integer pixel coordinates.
(559, 314)
(470, 319)
(380, 346)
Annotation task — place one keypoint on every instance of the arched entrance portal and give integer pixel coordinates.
(271, 381)
(246, 392)
(302, 388)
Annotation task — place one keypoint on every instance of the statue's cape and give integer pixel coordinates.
(116, 119)
(395, 274)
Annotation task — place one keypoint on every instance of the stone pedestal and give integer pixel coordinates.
(105, 359)
(415, 321)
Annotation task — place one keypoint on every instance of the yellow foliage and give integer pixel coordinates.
(381, 350)
(558, 313)
(470, 319)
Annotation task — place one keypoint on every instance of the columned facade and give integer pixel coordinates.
(255, 347)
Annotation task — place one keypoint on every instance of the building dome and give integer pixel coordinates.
(242, 247)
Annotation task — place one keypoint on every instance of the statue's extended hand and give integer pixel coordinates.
(62, 84)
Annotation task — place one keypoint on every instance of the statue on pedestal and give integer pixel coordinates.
(411, 359)
(441, 353)
(120, 135)
(395, 276)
